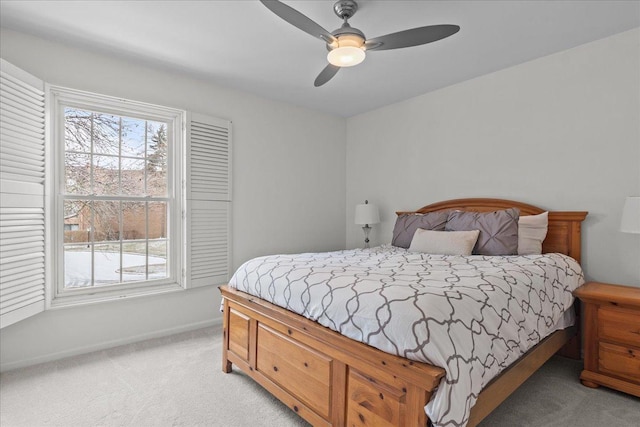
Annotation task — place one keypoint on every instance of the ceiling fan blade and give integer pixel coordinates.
(326, 75)
(299, 20)
(412, 37)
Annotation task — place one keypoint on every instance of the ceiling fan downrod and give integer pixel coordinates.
(345, 9)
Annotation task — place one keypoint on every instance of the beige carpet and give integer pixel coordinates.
(177, 381)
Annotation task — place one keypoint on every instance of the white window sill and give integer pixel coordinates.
(114, 295)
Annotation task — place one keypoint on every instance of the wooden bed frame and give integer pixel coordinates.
(331, 380)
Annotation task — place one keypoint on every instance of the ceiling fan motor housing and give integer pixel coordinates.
(346, 35)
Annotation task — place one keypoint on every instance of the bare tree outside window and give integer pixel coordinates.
(115, 199)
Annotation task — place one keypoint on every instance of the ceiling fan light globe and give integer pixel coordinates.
(346, 56)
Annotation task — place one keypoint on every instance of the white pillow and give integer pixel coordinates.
(532, 229)
(444, 242)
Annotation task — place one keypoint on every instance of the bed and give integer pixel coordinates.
(330, 379)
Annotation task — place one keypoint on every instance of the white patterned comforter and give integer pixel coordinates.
(471, 315)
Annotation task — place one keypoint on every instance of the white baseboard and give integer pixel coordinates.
(108, 344)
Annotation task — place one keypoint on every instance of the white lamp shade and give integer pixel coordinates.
(367, 214)
(631, 216)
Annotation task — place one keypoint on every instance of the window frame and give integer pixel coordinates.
(61, 97)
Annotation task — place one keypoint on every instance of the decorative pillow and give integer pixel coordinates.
(498, 230)
(407, 224)
(532, 229)
(444, 242)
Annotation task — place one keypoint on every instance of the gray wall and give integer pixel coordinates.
(561, 132)
(288, 190)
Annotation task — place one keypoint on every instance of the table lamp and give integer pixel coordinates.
(366, 214)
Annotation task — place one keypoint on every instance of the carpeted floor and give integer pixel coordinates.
(177, 381)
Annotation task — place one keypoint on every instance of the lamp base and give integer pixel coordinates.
(366, 230)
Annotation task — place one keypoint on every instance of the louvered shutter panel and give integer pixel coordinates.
(22, 216)
(208, 193)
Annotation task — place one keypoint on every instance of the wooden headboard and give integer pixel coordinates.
(563, 235)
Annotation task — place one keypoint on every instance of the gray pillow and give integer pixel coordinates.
(498, 230)
(407, 224)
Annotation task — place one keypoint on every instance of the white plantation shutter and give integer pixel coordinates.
(208, 194)
(22, 185)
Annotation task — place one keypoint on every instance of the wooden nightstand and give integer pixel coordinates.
(611, 336)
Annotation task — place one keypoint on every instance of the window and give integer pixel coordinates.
(118, 196)
(116, 199)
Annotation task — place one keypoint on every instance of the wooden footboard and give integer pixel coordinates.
(331, 380)
(326, 378)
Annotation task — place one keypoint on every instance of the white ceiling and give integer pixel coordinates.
(242, 45)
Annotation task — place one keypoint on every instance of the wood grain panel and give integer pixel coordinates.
(557, 238)
(297, 368)
(371, 403)
(620, 361)
(619, 325)
(239, 334)
(338, 392)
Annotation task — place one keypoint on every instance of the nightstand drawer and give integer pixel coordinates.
(620, 361)
(619, 325)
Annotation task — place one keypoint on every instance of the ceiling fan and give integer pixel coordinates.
(347, 45)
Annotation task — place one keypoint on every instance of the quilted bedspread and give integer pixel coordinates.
(471, 315)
